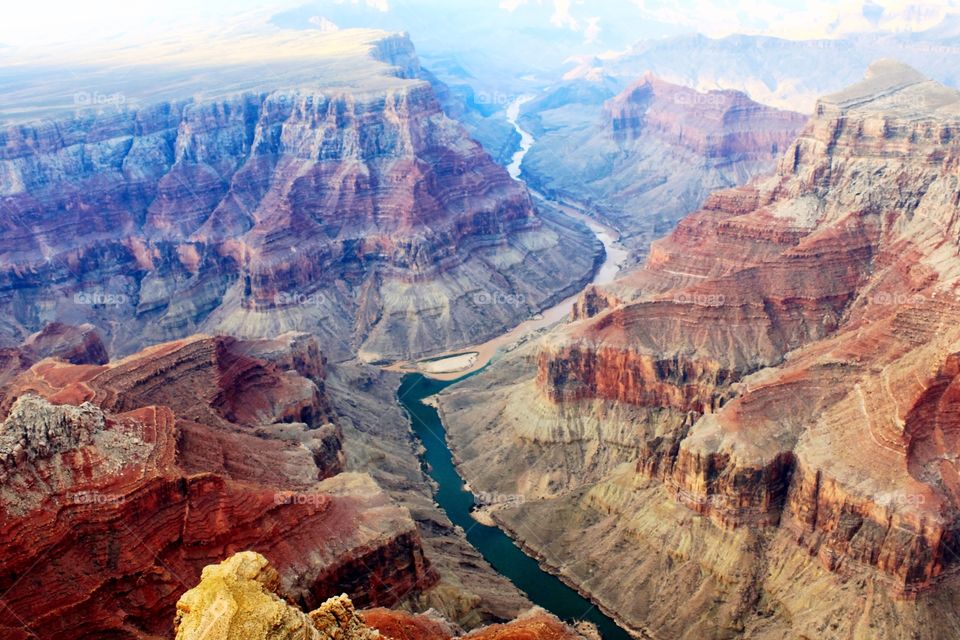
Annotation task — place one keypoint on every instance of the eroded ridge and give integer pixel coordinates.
(121, 481)
(783, 364)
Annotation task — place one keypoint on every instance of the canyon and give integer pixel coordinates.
(704, 370)
(642, 159)
(751, 435)
(120, 481)
(131, 230)
(333, 198)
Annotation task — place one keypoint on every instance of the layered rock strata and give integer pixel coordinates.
(77, 345)
(122, 481)
(345, 204)
(783, 368)
(649, 155)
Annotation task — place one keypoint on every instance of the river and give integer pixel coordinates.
(526, 138)
(543, 588)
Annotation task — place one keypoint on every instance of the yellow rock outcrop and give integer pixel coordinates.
(239, 599)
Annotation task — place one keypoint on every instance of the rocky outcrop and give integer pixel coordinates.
(242, 598)
(783, 366)
(76, 345)
(536, 625)
(352, 209)
(652, 153)
(725, 125)
(229, 395)
(393, 623)
(36, 429)
(122, 481)
(239, 598)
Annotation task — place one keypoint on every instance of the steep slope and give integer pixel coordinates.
(760, 421)
(327, 192)
(119, 482)
(651, 154)
(378, 440)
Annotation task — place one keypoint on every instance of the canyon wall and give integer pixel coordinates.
(119, 482)
(650, 154)
(344, 204)
(761, 418)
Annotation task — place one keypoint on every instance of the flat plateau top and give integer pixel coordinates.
(55, 84)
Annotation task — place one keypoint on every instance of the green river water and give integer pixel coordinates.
(497, 548)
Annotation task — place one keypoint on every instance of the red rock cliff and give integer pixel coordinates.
(799, 331)
(121, 481)
(716, 124)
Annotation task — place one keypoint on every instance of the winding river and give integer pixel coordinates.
(526, 138)
(543, 588)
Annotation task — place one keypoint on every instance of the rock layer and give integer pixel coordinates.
(651, 154)
(355, 210)
(76, 345)
(783, 366)
(121, 481)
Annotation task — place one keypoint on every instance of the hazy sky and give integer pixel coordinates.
(40, 22)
